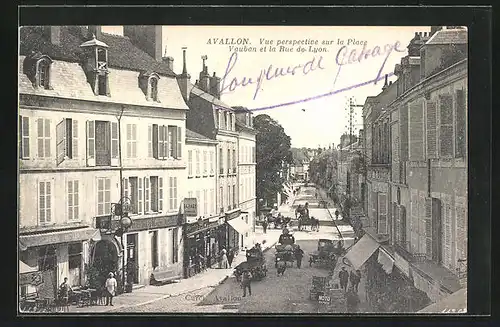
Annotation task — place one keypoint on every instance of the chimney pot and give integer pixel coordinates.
(184, 70)
(169, 61)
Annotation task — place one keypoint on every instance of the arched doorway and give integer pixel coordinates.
(105, 259)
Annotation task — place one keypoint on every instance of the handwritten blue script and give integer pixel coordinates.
(268, 73)
(345, 56)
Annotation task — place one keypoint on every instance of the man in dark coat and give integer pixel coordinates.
(246, 281)
(299, 254)
(344, 279)
(264, 225)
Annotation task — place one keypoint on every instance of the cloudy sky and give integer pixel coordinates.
(310, 103)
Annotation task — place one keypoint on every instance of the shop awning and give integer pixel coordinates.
(361, 251)
(239, 225)
(25, 268)
(385, 260)
(454, 303)
(65, 236)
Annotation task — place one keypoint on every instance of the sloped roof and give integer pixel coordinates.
(193, 135)
(208, 97)
(453, 36)
(122, 53)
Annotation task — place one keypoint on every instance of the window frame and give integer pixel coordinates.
(104, 203)
(50, 198)
(41, 63)
(73, 195)
(24, 137)
(190, 163)
(44, 140)
(131, 139)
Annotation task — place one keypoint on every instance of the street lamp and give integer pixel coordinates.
(121, 209)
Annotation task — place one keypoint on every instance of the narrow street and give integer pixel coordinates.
(273, 294)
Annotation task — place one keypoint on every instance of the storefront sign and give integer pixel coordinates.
(32, 278)
(402, 264)
(190, 207)
(233, 215)
(149, 223)
(197, 227)
(324, 299)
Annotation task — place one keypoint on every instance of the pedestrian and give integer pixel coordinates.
(246, 281)
(299, 254)
(357, 279)
(230, 257)
(344, 278)
(280, 266)
(352, 301)
(64, 291)
(223, 263)
(264, 225)
(352, 279)
(110, 288)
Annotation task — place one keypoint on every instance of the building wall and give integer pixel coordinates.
(226, 180)
(247, 181)
(202, 184)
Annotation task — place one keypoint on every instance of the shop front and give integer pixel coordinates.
(238, 229)
(205, 238)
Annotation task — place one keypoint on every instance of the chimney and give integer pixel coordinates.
(148, 38)
(170, 62)
(183, 79)
(95, 30)
(204, 77)
(385, 84)
(215, 86)
(54, 34)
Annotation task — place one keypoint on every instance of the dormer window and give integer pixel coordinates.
(95, 63)
(102, 59)
(37, 68)
(153, 88)
(148, 83)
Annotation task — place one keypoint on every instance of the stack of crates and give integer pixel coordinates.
(318, 287)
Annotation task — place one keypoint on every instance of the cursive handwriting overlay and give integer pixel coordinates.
(268, 73)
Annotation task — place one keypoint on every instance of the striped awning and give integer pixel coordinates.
(66, 236)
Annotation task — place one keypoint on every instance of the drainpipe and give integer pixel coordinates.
(121, 194)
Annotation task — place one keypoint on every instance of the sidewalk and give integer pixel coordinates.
(208, 278)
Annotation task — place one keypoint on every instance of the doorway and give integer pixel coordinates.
(105, 260)
(132, 258)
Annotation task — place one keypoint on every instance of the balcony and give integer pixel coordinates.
(402, 249)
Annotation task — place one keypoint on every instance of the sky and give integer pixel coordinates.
(293, 84)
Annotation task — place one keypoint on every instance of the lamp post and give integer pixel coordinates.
(121, 209)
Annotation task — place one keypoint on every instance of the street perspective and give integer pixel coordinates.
(242, 170)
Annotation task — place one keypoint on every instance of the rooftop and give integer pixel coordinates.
(447, 36)
(122, 53)
(193, 135)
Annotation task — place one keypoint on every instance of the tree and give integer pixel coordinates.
(273, 151)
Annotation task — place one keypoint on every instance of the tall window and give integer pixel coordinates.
(234, 196)
(43, 138)
(44, 202)
(155, 193)
(172, 141)
(73, 201)
(229, 197)
(154, 248)
(234, 161)
(197, 162)
(212, 201)
(166, 141)
(131, 141)
(229, 161)
(24, 137)
(205, 169)
(212, 163)
(461, 124)
(173, 193)
(190, 163)
(205, 202)
(446, 125)
(221, 198)
(221, 161)
(103, 196)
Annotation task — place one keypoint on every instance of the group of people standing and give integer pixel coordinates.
(352, 298)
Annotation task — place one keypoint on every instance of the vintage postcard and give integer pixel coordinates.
(242, 169)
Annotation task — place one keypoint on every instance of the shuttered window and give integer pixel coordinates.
(131, 141)
(374, 208)
(416, 132)
(447, 242)
(414, 220)
(44, 202)
(461, 231)
(147, 195)
(445, 126)
(431, 129)
(403, 132)
(150, 141)
(114, 142)
(178, 153)
(428, 228)
(382, 213)
(43, 138)
(24, 137)
(461, 124)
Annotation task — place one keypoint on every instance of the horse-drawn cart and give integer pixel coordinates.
(326, 254)
(255, 263)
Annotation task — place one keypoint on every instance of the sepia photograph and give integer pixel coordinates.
(242, 169)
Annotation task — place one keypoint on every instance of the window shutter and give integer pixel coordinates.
(61, 141)
(90, 143)
(147, 195)
(416, 132)
(165, 142)
(24, 137)
(397, 222)
(428, 228)
(41, 202)
(134, 141)
(20, 136)
(160, 194)
(155, 138)
(403, 128)
(129, 139)
(114, 144)
(461, 125)
(179, 143)
(139, 195)
(382, 213)
(47, 138)
(161, 138)
(48, 202)
(150, 141)
(446, 126)
(175, 192)
(75, 139)
(125, 187)
(402, 217)
(375, 209)
(170, 193)
(461, 230)
(431, 130)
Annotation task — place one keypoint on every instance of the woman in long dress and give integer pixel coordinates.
(223, 263)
